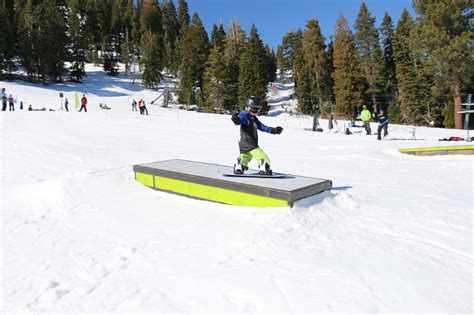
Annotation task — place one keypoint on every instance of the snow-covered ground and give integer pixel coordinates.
(79, 234)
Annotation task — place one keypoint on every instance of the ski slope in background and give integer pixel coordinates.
(80, 235)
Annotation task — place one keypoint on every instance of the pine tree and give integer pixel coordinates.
(330, 55)
(270, 63)
(8, 30)
(369, 53)
(77, 42)
(92, 32)
(126, 50)
(444, 37)
(347, 74)
(52, 40)
(217, 36)
(389, 86)
(171, 32)
(183, 16)
(253, 74)
(411, 85)
(152, 44)
(195, 50)
(234, 45)
(135, 41)
(28, 38)
(291, 54)
(304, 89)
(215, 79)
(315, 59)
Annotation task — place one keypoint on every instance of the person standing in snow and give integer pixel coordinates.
(383, 124)
(366, 116)
(134, 106)
(11, 103)
(4, 100)
(142, 106)
(248, 144)
(83, 103)
(66, 104)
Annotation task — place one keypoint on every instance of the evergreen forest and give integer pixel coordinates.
(420, 68)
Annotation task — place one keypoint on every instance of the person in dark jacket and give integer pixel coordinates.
(11, 103)
(4, 100)
(383, 124)
(248, 144)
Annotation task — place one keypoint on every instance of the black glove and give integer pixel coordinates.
(276, 131)
(235, 118)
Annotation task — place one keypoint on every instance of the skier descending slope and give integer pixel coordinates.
(248, 143)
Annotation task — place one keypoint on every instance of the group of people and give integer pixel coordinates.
(381, 118)
(141, 106)
(7, 99)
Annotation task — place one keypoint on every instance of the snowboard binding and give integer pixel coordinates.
(264, 168)
(239, 168)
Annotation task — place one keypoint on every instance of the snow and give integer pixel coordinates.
(79, 234)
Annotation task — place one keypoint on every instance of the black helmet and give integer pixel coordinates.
(253, 102)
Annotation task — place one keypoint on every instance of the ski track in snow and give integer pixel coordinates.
(80, 235)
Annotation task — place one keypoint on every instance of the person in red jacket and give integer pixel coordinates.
(83, 103)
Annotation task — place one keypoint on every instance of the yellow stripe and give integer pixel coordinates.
(216, 194)
(447, 148)
(145, 179)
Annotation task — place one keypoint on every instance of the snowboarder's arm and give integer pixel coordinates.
(240, 118)
(264, 128)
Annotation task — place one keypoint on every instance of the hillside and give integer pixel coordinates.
(79, 234)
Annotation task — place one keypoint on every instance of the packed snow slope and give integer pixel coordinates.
(79, 234)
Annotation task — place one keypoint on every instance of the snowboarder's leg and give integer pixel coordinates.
(379, 132)
(263, 161)
(245, 158)
(242, 162)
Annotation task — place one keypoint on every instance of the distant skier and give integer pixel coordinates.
(66, 105)
(134, 106)
(248, 144)
(142, 106)
(4, 100)
(383, 124)
(11, 103)
(366, 116)
(83, 103)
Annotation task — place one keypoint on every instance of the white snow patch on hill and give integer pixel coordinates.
(79, 234)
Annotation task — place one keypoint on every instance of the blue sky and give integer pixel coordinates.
(274, 18)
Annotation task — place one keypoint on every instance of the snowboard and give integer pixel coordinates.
(256, 175)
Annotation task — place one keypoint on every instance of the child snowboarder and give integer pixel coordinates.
(248, 143)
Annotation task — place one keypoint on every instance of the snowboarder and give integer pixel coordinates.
(134, 106)
(4, 100)
(83, 103)
(383, 124)
(366, 116)
(248, 144)
(11, 103)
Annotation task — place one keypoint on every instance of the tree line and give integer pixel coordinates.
(418, 69)
(148, 37)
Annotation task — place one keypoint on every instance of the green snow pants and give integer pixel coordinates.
(257, 153)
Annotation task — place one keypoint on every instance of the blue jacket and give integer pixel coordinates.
(248, 131)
